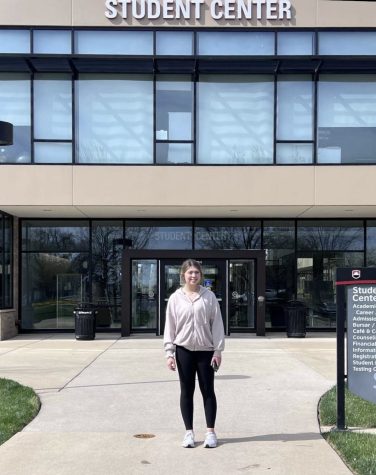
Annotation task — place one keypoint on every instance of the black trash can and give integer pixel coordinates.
(85, 319)
(296, 313)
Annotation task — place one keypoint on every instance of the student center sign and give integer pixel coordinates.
(195, 9)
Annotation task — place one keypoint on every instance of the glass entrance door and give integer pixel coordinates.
(237, 278)
(242, 294)
(144, 294)
(214, 278)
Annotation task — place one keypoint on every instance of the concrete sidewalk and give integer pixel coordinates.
(96, 395)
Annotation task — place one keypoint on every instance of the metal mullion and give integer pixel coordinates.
(193, 226)
(2, 259)
(294, 141)
(11, 262)
(365, 250)
(195, 79)
(53, 140)
(74, 78)
(315, 118)
(295, 270)
(32, 79)
(275, 118)
(90, 273)
(154, 116)
(32, 40)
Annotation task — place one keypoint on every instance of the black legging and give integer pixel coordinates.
(189, 363)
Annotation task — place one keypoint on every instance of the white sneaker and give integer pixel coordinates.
(210, 440)
(189, 439)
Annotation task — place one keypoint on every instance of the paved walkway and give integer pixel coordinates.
(96, 395)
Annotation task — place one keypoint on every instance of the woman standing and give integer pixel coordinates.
(193, 341)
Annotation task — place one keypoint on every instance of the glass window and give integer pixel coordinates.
(144, 294)
(298, 153)
(154, 235)
(235, 119)
(295, 43)
(52, 152)
(279, 235)
(178, 43)
(14, 41)
(115, 119)
(114, 42)
(279, 245)
(235, 43)
(330, 235)
(52, 41)
(316, 283)
(233, 235)
(55, 236)
(347, 43)
(371, 243)
(174, 103)
(53, 107)
(294, 108)
(107, 246)
(53, 284)
(174, 153)
(347, 119)
(15, 108)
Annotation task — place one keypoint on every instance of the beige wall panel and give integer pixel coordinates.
(346, 14)
(346, 185)
(195, 186)
(35, 185)
(305, 13)
(344, 211)
(91, 13)
(36, 12)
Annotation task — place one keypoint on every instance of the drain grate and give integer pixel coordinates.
(144, 436)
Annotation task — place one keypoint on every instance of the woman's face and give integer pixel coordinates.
(192, 276)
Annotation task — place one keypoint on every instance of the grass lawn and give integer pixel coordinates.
(18, 406)
(356, 449)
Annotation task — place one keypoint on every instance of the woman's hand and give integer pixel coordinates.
(171, 363)
(217, 360)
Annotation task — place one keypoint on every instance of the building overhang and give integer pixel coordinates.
(67, 191)
(73, 64)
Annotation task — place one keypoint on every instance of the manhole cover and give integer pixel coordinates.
(144, 436)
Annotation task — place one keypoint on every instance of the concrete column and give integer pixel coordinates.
(8, 328)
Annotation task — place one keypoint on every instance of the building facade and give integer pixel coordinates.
(149, 131)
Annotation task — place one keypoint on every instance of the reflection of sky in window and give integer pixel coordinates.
(348, 101)
(15, 108)
(115, 119)
(235, 119)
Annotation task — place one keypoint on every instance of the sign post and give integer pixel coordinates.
(356, 303)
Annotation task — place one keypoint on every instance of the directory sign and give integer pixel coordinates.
(361, 337)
